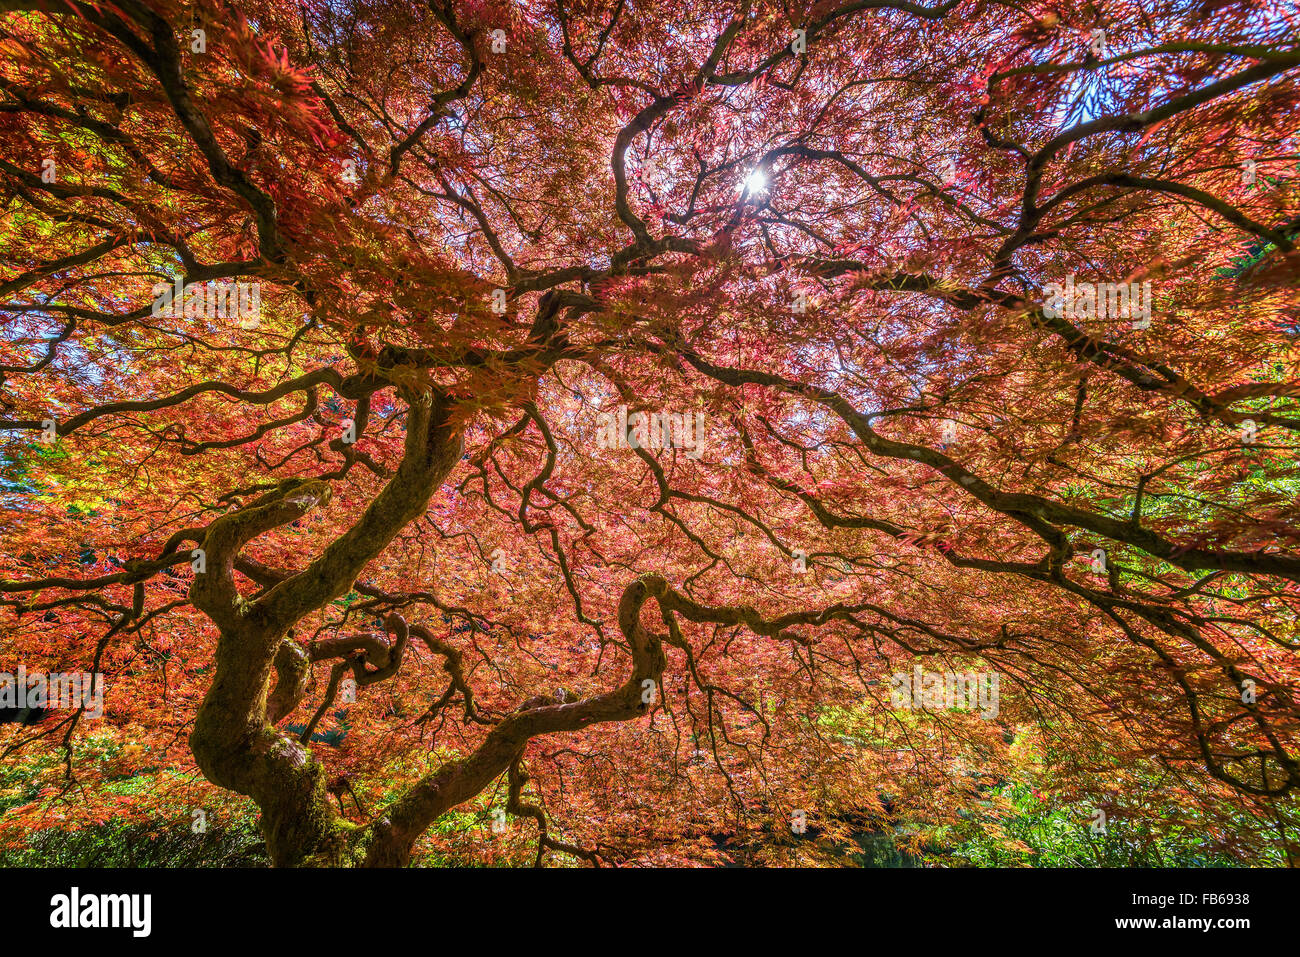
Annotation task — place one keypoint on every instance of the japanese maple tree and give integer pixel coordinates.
(600, 401)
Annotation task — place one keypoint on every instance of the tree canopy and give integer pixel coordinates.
(591, 411)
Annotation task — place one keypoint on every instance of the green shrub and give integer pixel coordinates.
(140, 845)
